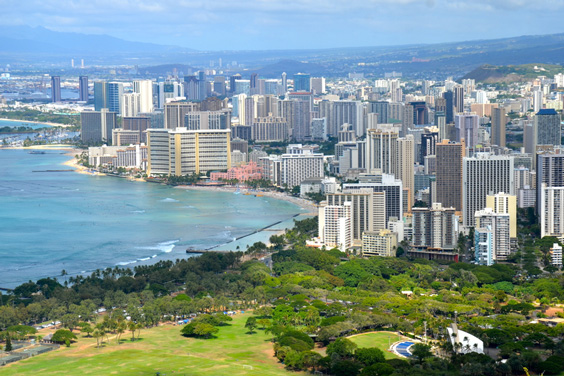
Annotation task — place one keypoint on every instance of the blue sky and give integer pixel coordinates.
(288, 24)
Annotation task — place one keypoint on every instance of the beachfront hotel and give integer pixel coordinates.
(183, 152)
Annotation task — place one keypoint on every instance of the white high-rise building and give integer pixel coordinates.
(296, 168)
(503, 203)
(130, 104)
(335, 225)
(499, 226)
(556, 255)
(551, 211)
(145, 89)
(482, 175)
(537, 101)
(381, 150)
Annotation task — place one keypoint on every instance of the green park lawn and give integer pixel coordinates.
(380, 340)
(162, 349)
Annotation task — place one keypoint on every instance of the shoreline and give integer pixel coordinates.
(37, 122)
(309, 207)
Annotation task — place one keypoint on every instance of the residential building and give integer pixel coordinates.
(97, 126)
(335, 225)
(382, 243)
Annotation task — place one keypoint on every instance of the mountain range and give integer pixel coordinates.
(38, 46)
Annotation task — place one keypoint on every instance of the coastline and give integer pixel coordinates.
(309, 207)
(37, 122)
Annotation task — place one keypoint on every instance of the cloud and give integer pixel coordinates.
(219, 24)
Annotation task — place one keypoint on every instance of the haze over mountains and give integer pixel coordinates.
(27, 45)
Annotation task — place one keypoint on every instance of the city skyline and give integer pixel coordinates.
(276, 25)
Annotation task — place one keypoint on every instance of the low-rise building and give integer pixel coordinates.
(382, 243)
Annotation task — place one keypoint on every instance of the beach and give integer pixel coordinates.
(37, 122)
(309, 207)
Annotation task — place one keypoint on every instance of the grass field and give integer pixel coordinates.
(380, 340)
(163, 350)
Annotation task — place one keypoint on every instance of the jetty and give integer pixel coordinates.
(53, 170)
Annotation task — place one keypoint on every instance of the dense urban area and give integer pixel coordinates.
(434, 246)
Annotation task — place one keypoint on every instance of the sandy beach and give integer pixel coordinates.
(310, 207)
(37, 122)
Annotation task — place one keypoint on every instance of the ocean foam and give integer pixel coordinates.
(168, 199)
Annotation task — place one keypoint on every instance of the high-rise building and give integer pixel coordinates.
(381, 150)
(392, 188)
(182, 152)
(498, 127)
(467, 127)
(537, 101)
(547, 128)
(335, 225)
(550, 171)
(449, 173)
(130, 104)
(449, 105)
(83, 88)
(318, 85)
(380, 108)
(202, 86)
(174, 113)
(302, 82)
(269, 129)
(429, 140)
(459, 99)
(503, 203)
(284, 82)
(145, 90)
(435, 228)
(420, 113)
(349, 112)
(296, 168)
(55, 88)
(97, 126)
(551, 210)
(482, 175)
(203, 120)
(115, 96)
(403, 167)
(219, 86)
(368, 209)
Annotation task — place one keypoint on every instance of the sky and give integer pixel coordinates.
(290, 24)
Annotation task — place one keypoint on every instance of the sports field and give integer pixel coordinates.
(380, 340)
(163, 350)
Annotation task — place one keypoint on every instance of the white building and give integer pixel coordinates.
(482, 175)
(131, 104)
(463, 342)
(499, 226)
(145, 90)
(551, 211)
(556, 255)
(335, 225)
(382, 243)
(295, 168)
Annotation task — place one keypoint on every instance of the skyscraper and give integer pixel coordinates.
(547, 128)
(449, 173)
(145, 90)
(449, 106)
(55, 88)
(83, 88)
(467, 127)
(381, 150)
(404, 166)
(284, 82)
(115, 96)
(97, 126)
(459, 99)
(498, 127)
(302, 82)
(484, 174)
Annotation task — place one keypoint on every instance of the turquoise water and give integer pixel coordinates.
(50, 221)
(15, 124)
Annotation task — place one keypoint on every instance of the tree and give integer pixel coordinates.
(421, 351)
(343, 347)
(8, 346)
(369, 356)
(62, 335)
(378, 369)
(205, 330)
(346, 368)
(251, 324)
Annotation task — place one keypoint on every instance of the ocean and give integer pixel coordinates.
(54, 221)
